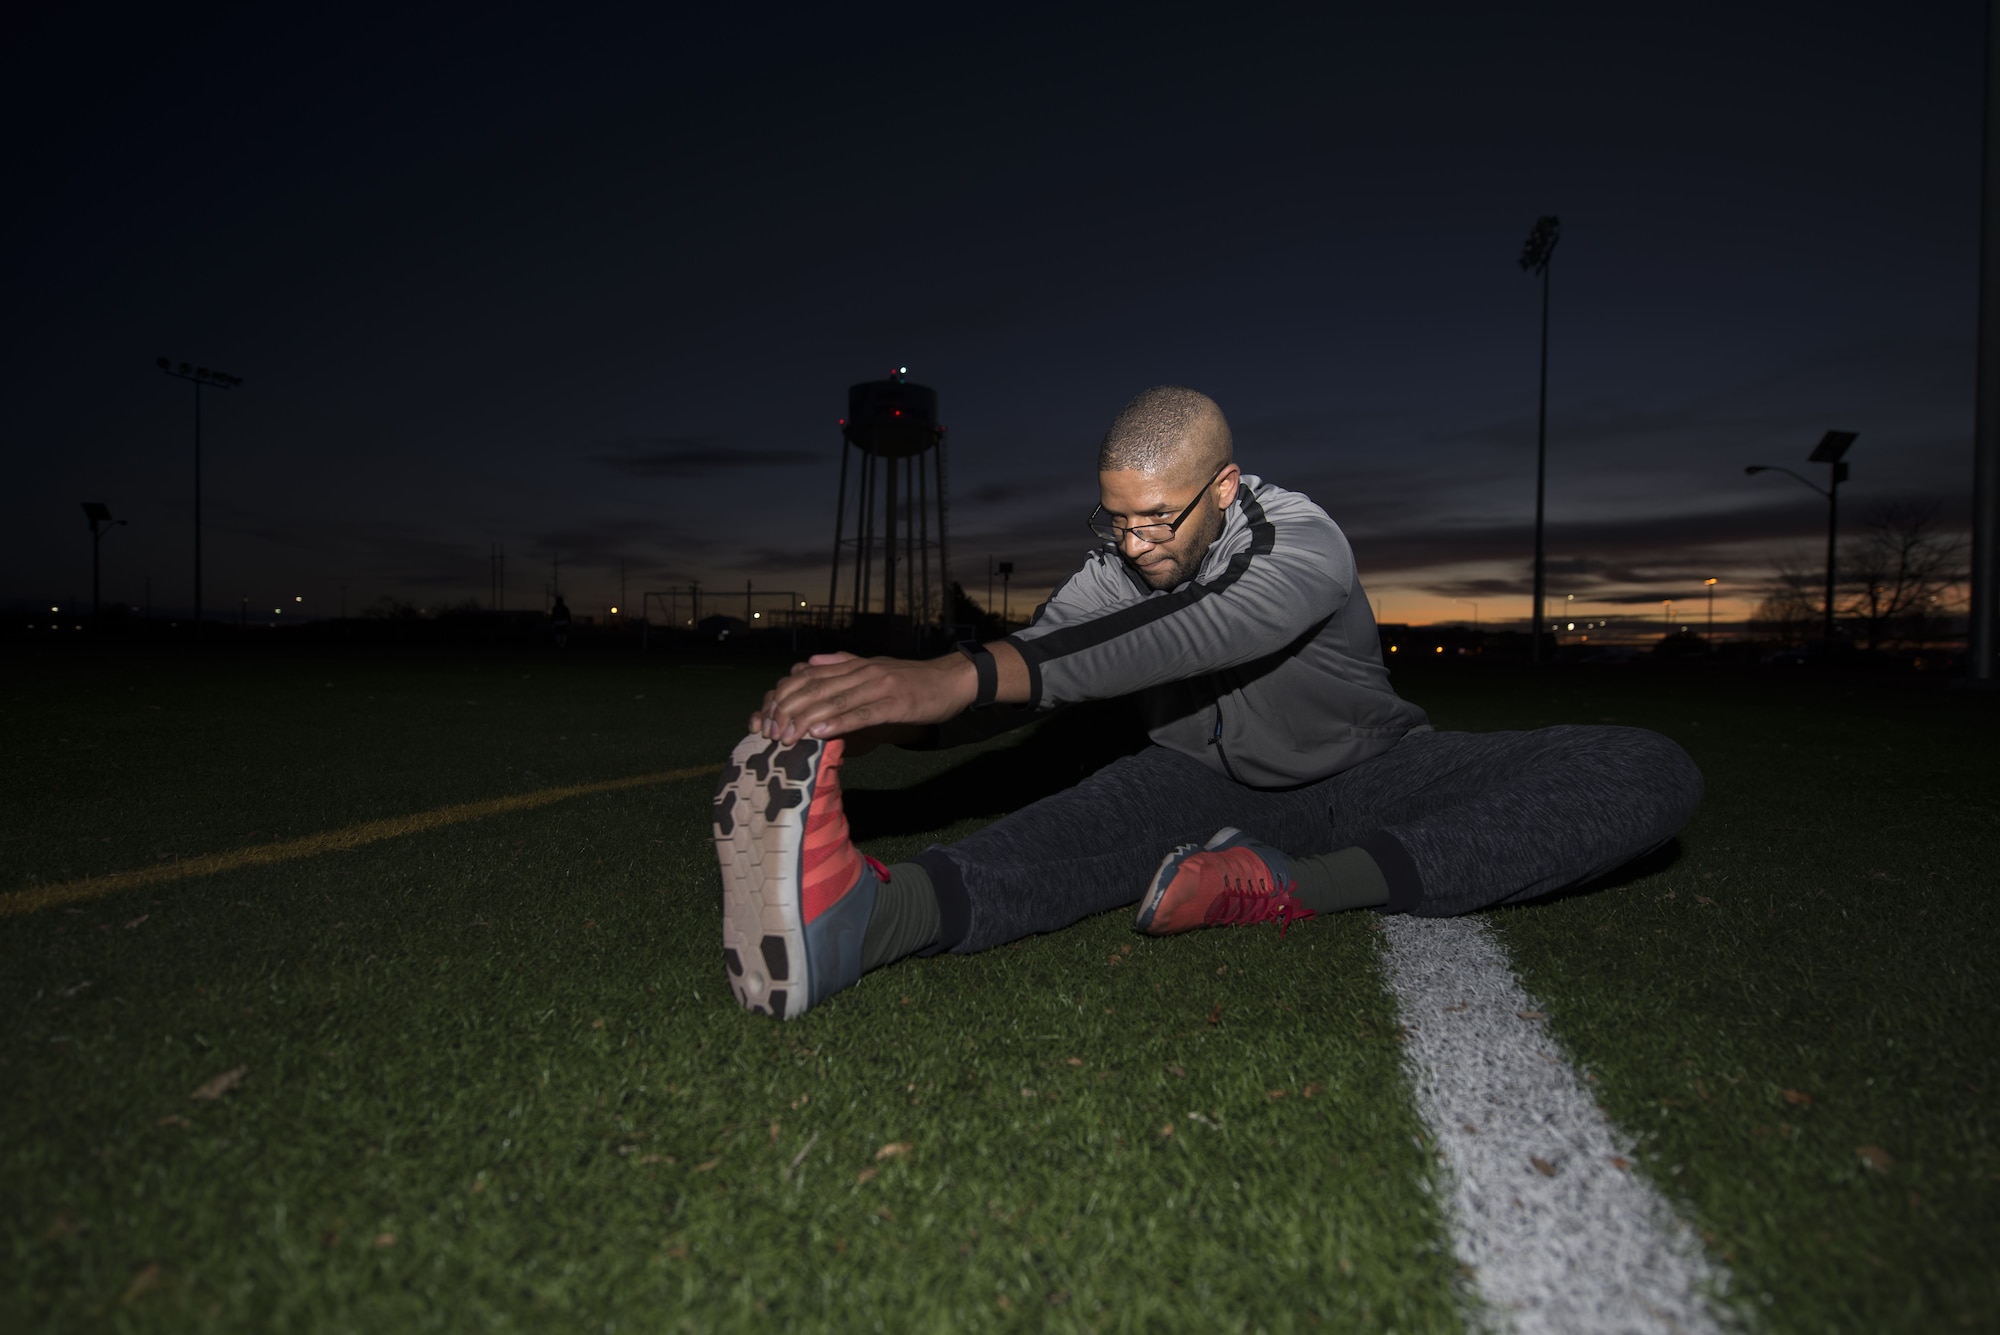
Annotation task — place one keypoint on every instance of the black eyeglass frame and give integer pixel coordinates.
(1116, 536)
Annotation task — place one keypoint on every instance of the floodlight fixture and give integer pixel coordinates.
(1535, 255)
(1541, 244)
(198, 376)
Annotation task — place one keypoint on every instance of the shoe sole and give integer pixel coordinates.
(1157, 890)
(759, 825)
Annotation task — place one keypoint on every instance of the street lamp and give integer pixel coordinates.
(1711, 614)
(1829, 451)
(1541, 244)
(1667, 616)
(1474, 603)
(198, 376)
(101, 521)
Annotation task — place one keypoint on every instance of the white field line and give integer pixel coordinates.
(1580, 1243)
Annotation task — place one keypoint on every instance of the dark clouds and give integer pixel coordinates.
(695, 457)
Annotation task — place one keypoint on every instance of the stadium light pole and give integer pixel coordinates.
(1983, 621)
(198, 376)
(1535, 254)
(1829, 451)
(101, 523)
(1711, 614)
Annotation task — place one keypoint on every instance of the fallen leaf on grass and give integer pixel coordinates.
(1704, 899)
(1620, 1162)
(1167, 1131)
(173, 1119)
(1532, 1015)
(1221, 970)
(1215, 1016)
(1453, 1010)
(1072, 1061)
(1542, 1166)
(1311, 1090)
(1125, 949)
(142, 1281)
(1798, 1097)
(1006, 1303)
(221, 1085)
(1274, 1093)
(128, 927)
(656, 1158)
(883, 1212)
(1179, 1072)
(865, 1176)
(598, 1023)
(774, 1135)
(1875, 1157)
(385, 1239)
(893, 1149)
(705, 1167)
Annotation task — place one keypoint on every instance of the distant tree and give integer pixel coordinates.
(966, 612)
(1904, 573)
(391, 609)
(1791, 611)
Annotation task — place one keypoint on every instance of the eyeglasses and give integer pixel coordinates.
(1150, 534)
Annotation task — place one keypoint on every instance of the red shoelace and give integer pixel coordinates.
(1247, 899)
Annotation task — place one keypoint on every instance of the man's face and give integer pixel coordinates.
(1131, 498)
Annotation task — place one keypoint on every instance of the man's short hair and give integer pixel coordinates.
(1167, 429)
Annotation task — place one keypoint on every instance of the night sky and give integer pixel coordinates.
(595, 281)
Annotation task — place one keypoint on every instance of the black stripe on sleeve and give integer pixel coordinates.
(1100, 630)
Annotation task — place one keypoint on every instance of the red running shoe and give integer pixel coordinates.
(796, 893)
(1230, 879)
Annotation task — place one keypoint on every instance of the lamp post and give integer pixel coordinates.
(1541, 244)
(1667, 616)
(198, 376)
(1474, 604)
(1711, 614)
(1829, 451)
(1006, 576)
(101, 521)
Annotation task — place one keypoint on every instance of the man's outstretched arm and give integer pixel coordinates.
(834, 695)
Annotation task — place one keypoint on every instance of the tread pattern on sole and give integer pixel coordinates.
(759, 831)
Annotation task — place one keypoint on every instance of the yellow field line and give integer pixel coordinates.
(368, 832)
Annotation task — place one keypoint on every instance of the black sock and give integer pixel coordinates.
(905, 919)
(1330, 882)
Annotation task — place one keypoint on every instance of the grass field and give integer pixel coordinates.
(488, 1074)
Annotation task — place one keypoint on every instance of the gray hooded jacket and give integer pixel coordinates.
(1265, 666)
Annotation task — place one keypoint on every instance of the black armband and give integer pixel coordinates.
(986, 670)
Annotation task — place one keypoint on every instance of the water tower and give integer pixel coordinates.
(899, 509)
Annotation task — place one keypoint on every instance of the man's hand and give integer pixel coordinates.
(838, 695)
(832, 695)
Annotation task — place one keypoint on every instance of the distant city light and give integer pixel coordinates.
(614, 611)
(1440, 648)
(55, 609)
(298, 598)
(754, 616)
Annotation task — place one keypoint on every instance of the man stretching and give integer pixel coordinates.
(1286, 777)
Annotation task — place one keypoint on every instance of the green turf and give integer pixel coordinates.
(493, 1076)
(1812, 976)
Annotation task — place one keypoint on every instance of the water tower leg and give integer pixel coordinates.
(839, 520)
(864, 546)
(889, 540)
(923, 543)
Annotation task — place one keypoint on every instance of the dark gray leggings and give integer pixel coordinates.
(1457, 821)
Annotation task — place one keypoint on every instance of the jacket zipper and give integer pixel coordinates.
(1216, 742)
